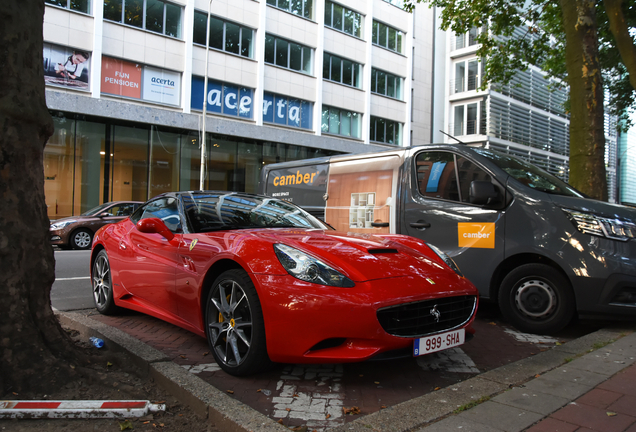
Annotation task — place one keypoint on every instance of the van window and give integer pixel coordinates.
(436, 175)
(446, 176)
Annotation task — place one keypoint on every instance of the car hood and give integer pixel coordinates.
(70, 218)
(362, 257)
(599, 208)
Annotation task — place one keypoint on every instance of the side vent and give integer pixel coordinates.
(382, 251)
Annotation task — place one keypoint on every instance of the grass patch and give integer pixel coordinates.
(471, 404)
(599, 345)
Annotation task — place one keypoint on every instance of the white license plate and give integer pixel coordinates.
(438, 342)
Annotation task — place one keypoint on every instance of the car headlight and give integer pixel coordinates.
(612, 228)
(447, 259)
(60, 225)
(309, 269)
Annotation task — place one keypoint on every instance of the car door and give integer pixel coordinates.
(438, 209)
(152, 259)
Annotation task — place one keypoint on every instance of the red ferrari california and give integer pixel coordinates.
(264, 281)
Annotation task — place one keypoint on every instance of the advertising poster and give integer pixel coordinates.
(305, 186)
(121, 78)
(228, 99)
(161, 86)
(285, 111)
(66, 67)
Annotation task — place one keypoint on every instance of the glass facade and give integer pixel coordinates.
(90, 161)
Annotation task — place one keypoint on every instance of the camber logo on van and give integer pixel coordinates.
(476, 235)
(294, 179)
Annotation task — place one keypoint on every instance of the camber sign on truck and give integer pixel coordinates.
(526, 239)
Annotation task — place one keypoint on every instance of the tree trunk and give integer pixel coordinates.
(31, 340)
(587, 135)
(624, 41)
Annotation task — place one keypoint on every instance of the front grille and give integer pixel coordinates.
(418, 319)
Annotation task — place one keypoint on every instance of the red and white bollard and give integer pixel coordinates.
(77, 409)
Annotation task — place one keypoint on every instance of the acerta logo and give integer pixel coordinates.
(294, 179)
(162, 81)
(476, 235)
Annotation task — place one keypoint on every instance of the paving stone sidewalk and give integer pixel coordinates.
(587, 384)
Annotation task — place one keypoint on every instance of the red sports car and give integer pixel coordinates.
(265, 281)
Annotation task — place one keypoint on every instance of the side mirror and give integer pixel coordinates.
(154, 226)
(482, 192)
(104, 214)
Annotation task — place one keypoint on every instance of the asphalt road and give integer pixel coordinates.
(72, 287)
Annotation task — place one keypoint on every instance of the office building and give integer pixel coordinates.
(286, 80)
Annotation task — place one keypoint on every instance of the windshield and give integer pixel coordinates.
(529, 174)
(96, 210)
(209, 211)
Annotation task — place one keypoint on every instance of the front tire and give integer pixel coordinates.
(81, 239)
(536, 298)
(103, 285)
(234, 324)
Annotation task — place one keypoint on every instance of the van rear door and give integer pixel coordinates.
(438, 209)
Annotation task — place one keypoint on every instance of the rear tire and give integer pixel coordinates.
(234, 324)
(536, 298)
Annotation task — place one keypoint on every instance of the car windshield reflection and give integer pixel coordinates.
(220, 211)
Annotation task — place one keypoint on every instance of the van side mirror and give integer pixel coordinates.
(154, 226)
(482, 192)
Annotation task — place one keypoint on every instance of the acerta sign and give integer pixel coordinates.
(223, 98)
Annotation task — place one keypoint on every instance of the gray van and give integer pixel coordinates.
(527, 240)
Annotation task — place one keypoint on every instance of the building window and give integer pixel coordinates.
(387, 37)
(290, 55)
(341, 70)
(154, 15)
(341, 122)
(467, 121)
(303, 8)
(76, 5)
(466, 76)
(386, 84)
(466, 39)
(343, 19)
(385, 131)
(287, 111)
(224, 35)
(397, 3)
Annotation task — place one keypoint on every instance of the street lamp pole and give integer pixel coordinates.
(205, 101)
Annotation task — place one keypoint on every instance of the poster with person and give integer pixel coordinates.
(66, 67)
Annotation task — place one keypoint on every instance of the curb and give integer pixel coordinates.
(231, 415)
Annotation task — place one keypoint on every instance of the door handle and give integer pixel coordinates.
(420, 224)
(379, 224)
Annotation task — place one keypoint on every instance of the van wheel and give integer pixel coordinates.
(536, 298)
